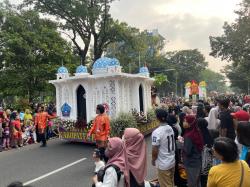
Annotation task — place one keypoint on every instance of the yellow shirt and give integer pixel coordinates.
(228, 175)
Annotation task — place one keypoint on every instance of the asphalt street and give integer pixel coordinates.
(61, 164)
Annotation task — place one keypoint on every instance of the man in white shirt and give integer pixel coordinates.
(163, 150)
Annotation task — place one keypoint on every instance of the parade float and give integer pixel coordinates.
(78, 95)
(195, 91)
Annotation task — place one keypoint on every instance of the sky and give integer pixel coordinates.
(185, 24)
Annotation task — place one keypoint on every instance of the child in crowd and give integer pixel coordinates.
(26, 136)
(99, 164)
(6, 136)
(17, 130)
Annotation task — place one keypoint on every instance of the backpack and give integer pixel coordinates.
(101, 172)
(207, 160)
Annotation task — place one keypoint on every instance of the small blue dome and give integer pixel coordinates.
(144, 70)
(114, 62)
(81, 69)
(62, 70)
(102, 63)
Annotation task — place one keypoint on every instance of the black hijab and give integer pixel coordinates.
(202, 124)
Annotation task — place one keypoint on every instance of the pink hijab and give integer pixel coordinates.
(116, 153)
(136, 156)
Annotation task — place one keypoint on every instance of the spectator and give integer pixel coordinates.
(163, 150)
(231, 172)
(185, 111)
(226, 120)
(115, 151)
(213, 122)
(243, 131)
(193, 145)
(99, 164)
(27, 117)
(6, 136)
(17, 130)
(200, 111)
(136, 157)
(207, 156)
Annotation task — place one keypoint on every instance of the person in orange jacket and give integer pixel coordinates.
(101, 129)
(41, 120)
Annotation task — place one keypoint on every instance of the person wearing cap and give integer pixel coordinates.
(240, 115)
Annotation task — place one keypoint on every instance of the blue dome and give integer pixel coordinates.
(114, 62)
(62, 70)
(102, 63)
(144, 70)
(81, 69)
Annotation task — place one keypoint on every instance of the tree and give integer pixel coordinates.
(188, 63)
(234, 44)
(137, 46)
(238, 77)
(32, 49)
(215, 81)
(160, 79)
(81, 20)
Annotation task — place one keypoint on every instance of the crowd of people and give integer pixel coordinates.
(19, 128)
(203, 144)
(198, 145)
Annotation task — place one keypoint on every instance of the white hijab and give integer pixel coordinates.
(212, 119)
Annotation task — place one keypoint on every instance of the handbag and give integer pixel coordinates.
(207, 160)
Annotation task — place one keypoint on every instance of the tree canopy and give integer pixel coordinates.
(234, 46)
(83, 20)
(31, 50)
(215, 81)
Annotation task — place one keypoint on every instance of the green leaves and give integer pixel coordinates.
(32, 50)
(160, 79)
(234, 45)
(121, 122)
(82, 20)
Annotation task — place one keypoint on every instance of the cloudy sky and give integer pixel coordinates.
(186, 24)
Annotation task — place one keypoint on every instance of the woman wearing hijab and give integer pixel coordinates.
(115, 153)
(207, 155)
(213, 122)
(193, 145)
(136, 157)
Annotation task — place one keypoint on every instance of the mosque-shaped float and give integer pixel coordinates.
(78, 95)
